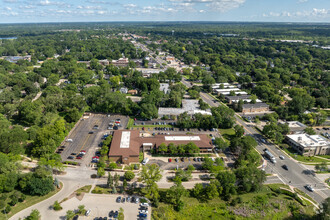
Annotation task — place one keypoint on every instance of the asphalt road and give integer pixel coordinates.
(297, 176)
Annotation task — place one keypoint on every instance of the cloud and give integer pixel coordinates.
(314, 13)
(130, 6)
(302, 1)
(215, 5)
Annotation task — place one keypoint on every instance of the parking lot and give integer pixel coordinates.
(87, 135)
(100, 205)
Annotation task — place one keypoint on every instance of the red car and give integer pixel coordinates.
(169, 160)
(96, 157)
(78, 158)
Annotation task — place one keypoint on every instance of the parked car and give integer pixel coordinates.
(115, 215)
(169, 160)
(137, 200)
(91, 132)
(69, 140)
(176, 159)
(87, 212)
(73, 154)
(118, 199)
(143, 215)
(78, 157)
(133, 199)
(71, 157)
(82, 152)
(144, 204)
(281, 157)
(123, 200)
(144, 211)
(111, 213)
(128, 199)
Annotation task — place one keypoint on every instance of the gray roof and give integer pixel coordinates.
(238, 97)
(257, 105)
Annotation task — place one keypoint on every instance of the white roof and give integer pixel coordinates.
(306, 140)
(182, 138)
(125, 139)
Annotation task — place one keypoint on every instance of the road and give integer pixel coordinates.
(151, 54)
(297, 176)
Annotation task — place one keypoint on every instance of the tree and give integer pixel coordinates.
(250, 178)
(112, 166)
(150, 174)
(310, 131)
(57, 206)
(110, 180)
(324, 211)
(124, 184)
(70, 214)
(173, 196)
(208, 81)
(81, 209)
(34, 215)
(116, 179)
(100, 171)
(129, 175)
(162, 148)
(207, 164)
(220, 143)
(239, 130)
(227, 180)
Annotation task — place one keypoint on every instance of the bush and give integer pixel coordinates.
(22, 198)
(6, 210)
(129, 175)
(57, 206)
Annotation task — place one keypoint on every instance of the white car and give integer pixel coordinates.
(310, 188)
(144, 211)
(145, 204)
(69, 140)
(281, 157)
(87, 212)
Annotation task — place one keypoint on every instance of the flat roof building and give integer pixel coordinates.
(295, 126)
(126, 145)
(191, 106)
(309, 145)
(258, 107)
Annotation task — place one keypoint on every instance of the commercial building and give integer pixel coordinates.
(309, 145)
(235, 99)
(255, 108)
(122, 62)
(126, 145)
(295, 126)
(188, 105)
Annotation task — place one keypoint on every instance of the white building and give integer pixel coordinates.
(309, 145)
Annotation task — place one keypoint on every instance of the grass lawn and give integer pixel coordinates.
(227, 133)
(304, 194)
(324, 156)
(264, 204)
(29, 201)
(304, 159)
(101, 190)
(130, 123)
(152, 126)
(84, 189)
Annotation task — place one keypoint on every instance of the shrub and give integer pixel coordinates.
(129, 175)
(57, 206)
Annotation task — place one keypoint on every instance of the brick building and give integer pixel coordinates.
(126, 145)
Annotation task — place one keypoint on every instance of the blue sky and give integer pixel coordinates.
(13, 11)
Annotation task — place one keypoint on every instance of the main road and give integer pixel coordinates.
(297, 176)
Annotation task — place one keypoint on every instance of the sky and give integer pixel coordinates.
(35, 11)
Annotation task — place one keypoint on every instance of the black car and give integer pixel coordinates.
(133, 200)
(116, 214)
(115, 127)
(91, 132)
(118, 199)
(123, 200)
(111, 213)
(73, 154)
(285, 167)
(70, 157)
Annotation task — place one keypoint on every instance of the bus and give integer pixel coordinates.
(269, 155)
